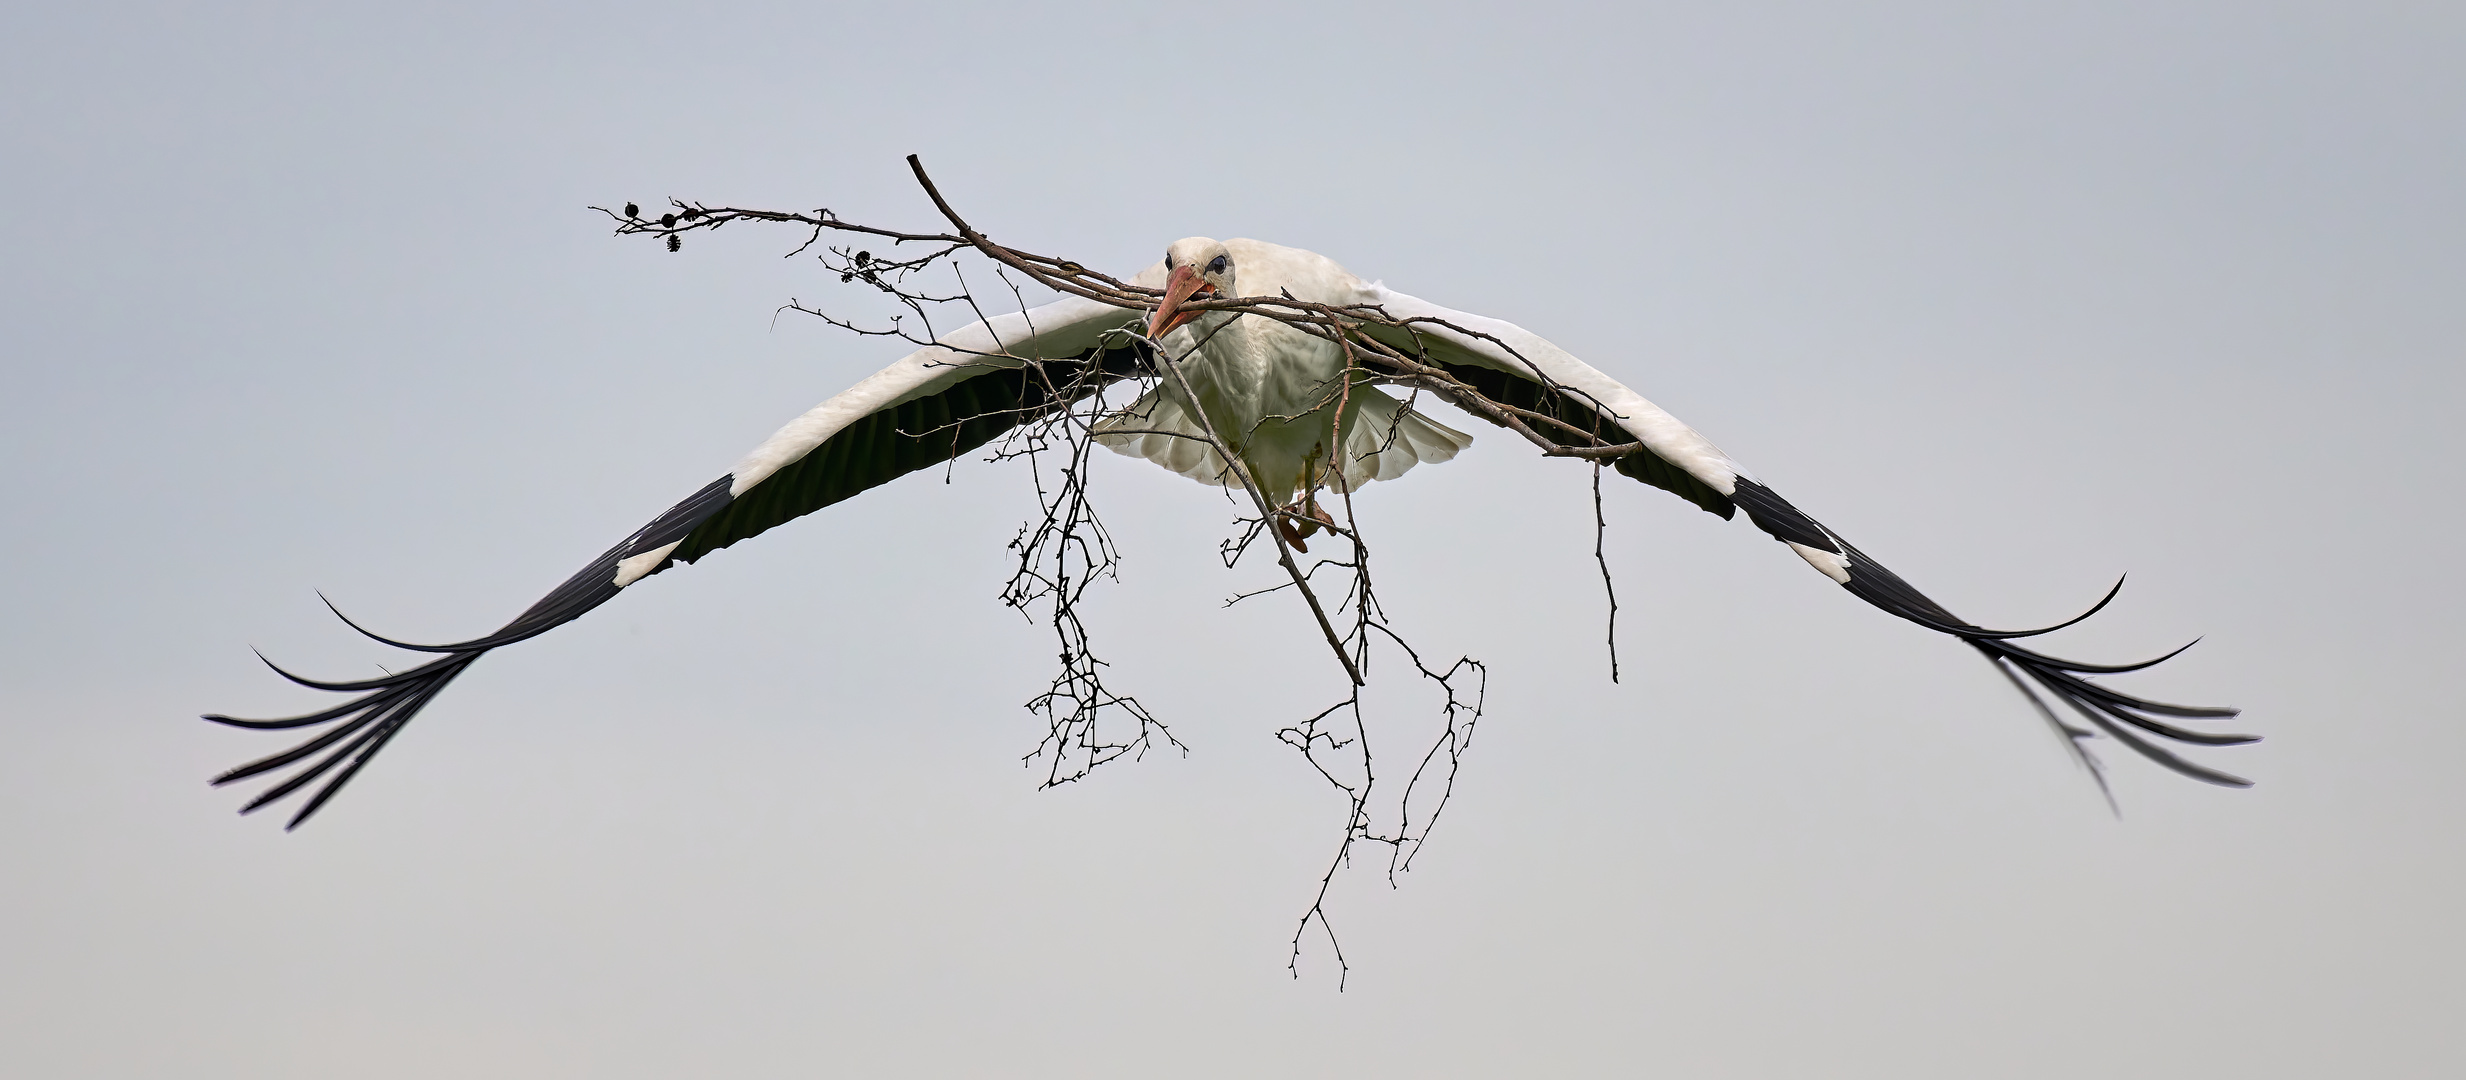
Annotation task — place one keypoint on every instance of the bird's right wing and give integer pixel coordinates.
(1515, 366)
(939, 402)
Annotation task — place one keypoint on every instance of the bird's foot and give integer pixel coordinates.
(1298, 521)
(1315, 510)
(1293, 534)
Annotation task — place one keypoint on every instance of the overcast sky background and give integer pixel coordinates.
(2017, 297)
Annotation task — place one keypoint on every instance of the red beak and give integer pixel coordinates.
(1184, 284)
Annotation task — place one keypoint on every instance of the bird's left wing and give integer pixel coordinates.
(939, 402)
(1515, 366)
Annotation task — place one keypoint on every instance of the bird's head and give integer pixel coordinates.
(1196, 266)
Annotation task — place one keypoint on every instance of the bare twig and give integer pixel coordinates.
(1601, 530)
(1067, 547)
(1250, 483)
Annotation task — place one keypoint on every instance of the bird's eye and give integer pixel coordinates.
(1218, 266)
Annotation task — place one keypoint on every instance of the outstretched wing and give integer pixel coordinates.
(1517, 367)
(941, 401)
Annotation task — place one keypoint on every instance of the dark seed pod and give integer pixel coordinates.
(632, 211)
(691, 213)
(667, 221)
(675, 241)
(864, 258)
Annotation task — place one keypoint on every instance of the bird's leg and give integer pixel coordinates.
(1302, 517)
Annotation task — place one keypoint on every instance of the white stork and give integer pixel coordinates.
(1263, 387)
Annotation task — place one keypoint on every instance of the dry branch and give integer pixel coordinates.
(1067, 548)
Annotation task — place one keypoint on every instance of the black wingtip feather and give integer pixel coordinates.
(375, 636)
(2076, 620)
(2115, 713)
(363, 725)
(2118, 669)
(317, 802)
(2110, 711)
(350, 687)
(2075, 739)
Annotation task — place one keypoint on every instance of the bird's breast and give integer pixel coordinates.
(1256, 371)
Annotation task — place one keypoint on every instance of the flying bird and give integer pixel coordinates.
(1282, 399)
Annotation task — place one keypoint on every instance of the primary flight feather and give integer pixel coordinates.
(1285, 401)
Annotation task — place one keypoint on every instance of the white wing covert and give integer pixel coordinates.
(1472, 345)
(933, 405)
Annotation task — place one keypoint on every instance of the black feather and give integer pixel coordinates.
(875, 450)
(389, 702)
(2109, 710)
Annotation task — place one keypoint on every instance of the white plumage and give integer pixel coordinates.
(1263, 382)
(1275, 394)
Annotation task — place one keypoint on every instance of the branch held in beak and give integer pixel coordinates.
(1184, 284)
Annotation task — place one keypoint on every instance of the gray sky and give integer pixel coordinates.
(2017, 299)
